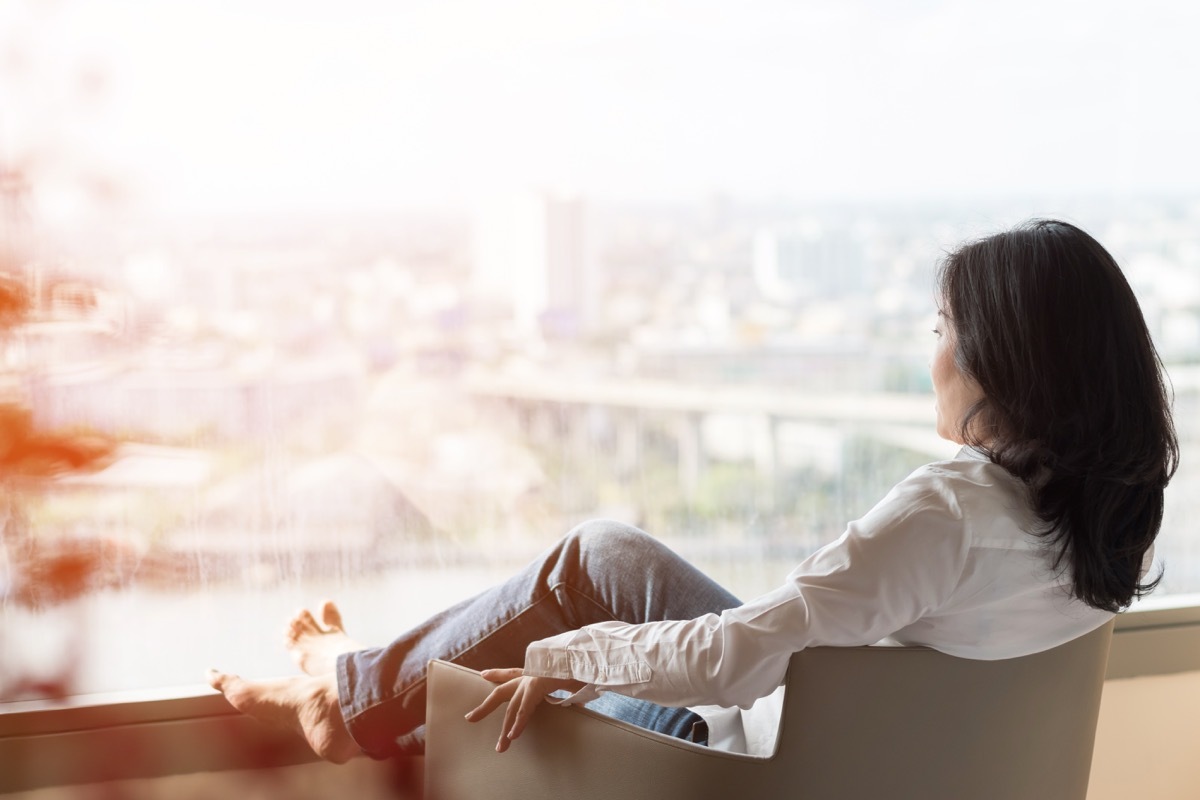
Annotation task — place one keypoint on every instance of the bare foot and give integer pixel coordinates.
(315, 645)
(307, 705)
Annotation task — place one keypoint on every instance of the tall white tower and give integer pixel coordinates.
(808, 261)
(532, 251)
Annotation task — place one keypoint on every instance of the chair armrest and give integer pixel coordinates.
(564, 752)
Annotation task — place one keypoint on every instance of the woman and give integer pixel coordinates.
(1036, 533)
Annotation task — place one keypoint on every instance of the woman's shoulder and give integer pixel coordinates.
(969, 471)
(986, 498)
(968, 491)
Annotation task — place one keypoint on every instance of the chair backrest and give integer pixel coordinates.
(863, 722)
(953, 727)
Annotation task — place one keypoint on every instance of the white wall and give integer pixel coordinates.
(1147, 744)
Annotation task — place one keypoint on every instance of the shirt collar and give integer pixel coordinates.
(971, 453)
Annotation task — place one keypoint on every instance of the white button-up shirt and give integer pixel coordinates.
(948, 559)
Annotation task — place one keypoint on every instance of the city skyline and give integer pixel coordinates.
(334, 408)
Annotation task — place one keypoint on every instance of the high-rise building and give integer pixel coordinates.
(532, 252)
(808, 261)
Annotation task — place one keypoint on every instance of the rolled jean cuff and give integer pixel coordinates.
(372, 741)
(345, 693)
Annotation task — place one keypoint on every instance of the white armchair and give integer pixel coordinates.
(858, 723)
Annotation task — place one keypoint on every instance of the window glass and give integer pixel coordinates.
(375, 301)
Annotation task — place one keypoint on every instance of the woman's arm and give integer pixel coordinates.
(895, 565)
(888, 569)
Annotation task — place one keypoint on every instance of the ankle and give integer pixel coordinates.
(332, 740)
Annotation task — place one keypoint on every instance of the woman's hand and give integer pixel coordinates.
(523, 693)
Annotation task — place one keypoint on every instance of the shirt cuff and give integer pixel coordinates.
(585, 695)
(555, 658)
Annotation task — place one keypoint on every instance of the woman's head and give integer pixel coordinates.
(955, 392)
(1071, 396)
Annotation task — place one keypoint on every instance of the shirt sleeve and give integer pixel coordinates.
(898, 563)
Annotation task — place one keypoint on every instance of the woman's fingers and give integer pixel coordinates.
(500, 694)
(501, 675)
(524, 701)
(521, 709)
(523, 695)
(505, 726)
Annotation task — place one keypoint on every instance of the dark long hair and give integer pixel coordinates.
(1075, 404)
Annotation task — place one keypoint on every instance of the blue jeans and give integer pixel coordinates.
(598, 572)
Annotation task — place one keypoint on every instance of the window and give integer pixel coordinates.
(376, 301)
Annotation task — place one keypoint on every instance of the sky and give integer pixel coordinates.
(248, 105)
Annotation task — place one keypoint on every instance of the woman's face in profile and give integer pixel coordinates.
(953, 391)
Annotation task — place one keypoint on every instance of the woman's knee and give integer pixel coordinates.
(599, 536)
(601, 545)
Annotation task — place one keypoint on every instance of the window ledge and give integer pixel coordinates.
(1172, 609)
(1158, 636)
(107, 709)
(134, 734)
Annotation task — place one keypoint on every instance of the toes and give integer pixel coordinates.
(293, 633)
(219, 680)
(303, 622)
(331, 616)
